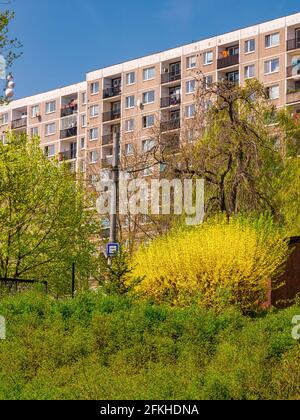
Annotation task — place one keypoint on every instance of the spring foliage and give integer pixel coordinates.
(214, 264)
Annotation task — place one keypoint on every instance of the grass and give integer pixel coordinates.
(96, 347)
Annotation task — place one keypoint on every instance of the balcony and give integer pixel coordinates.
(293, 71)
(111, 115)
(170, 77)
(231, 60)
(111, 92)
(68, 110)
(69, 132)
(68, 155)
(19, 123)
(108, 140)
(170, 125)
(107, 162)
(170, 101)
(293, 95)
(293, 44)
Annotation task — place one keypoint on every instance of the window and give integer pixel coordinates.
(149, 73)
(191, 62)
(50, 107)
(83, 98)
(130, 78)
(250, 71)
(272, 66)
(49, 150)
(130, 102)
(129, 125)
(190, 86)
(208, 80)
(149, 97)
(94, 111)
(273, 92)
(94, 133)
(190, 111)
(94, 88)
(93, 156)
(250, 46)
(128, 149)
(208, 58)
(272, 40)
(50, 129)
(83, 120)
(35, 110)
(34, 132)
(148, 121)
(4, 119)
(82, 143)
(147, 145)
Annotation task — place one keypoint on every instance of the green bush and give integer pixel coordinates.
(96, 347)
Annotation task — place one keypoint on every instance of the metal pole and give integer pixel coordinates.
(115, 189)
(73, 280)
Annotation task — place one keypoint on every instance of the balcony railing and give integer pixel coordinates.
(293, 44)
(69, 132)
(107, 140)
(68, 110)
(19, 123)
(107, 162)
(293, 95)
(231, 60)
(293, 71)
(170, 125)
(111, 115)
(170, 101)
(68, 155)
(170, 77)
(111, 92)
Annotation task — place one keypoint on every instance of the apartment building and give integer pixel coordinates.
(78, 123)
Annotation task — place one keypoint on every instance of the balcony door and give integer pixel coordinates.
(298, 38)
(175, 71)
(73, 149)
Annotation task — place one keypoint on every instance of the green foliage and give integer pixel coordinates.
(96, 347)
(44, 226)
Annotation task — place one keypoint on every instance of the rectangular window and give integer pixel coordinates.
(130, 102)
(83, 120)
(94, 111)
(35, 111)
(272, 40)
(190, 86)
(149, 97)
(50, 129)
(129, 149)
(129, 125)
(208, 80)
(94, 133)
(190, 111)
(50, 107)
(4, 119)
(34, 132)
(250, 71)
(82, 143)
(49, 150)
(83, 98)
(208, 58)
(94, 88)
(148, 121)
(191, 62)
(93, 156)
(250, 46)
(272, 66)
(149, 73)
(273, 92)
(147, 145)
(130, 78)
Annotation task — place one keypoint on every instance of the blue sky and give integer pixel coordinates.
(63, 39)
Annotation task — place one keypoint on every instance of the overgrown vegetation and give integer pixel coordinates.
(97, 347)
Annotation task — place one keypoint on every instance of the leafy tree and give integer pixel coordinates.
(44, 224)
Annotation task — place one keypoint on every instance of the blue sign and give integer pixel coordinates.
(112, 249)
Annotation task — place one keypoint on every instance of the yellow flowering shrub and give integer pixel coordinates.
(218, 262)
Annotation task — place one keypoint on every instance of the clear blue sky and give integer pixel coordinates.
(63, 39)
